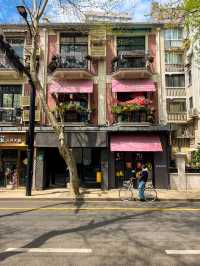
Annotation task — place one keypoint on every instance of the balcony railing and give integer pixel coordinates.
(177, 117)
(10, 115)
(76, 117)
(69, 61)
(134, 117)
(174, 68)
(131, 60)
(4, 63)
(170, 44)
(176, 92)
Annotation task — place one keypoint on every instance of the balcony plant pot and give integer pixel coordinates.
(84, 117)
(124, 117)
(71, 116)
(135, 116)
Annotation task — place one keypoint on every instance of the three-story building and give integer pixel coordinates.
(109, 80)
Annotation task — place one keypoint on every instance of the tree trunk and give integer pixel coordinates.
(64, 150)
(71, 163)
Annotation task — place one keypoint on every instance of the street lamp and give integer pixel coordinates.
(30, 151)
(23, 13)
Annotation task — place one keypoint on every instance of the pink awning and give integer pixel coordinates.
(145, 143)
(137, 85)
(71, 86)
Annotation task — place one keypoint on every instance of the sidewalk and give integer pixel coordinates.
(94, 194)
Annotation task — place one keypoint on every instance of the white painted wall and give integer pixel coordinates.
(192, 181)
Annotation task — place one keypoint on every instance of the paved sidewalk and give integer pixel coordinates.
(94, 194)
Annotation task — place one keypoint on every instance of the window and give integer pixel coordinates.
(176, 107)
(130, 44)
(190, 77)
(191, 102)
(173, 58)
(18, 45)
(175, 80)
(73, 45)
(174, 34)
(9, 102)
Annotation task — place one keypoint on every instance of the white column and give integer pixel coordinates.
(102, 92)
(182, 179)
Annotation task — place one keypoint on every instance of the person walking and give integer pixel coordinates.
(142, 182)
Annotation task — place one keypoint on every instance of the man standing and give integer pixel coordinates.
(142, 182)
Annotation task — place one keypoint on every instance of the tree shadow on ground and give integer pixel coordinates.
(85, 232)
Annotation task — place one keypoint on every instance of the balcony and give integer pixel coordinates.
(138, 117)
(70, 67)
(178, 117)
(176, 92)
(7, 71)
(132, 65)
(134, 113)
(174, 68)
(173, 44)
(10, 115)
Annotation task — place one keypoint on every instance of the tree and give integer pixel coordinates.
(36, 9)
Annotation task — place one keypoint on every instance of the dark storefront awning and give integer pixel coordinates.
(71, 86)
(141, 85)
(134, 143)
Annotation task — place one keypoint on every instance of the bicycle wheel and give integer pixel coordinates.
(125, 193)
(150, 194)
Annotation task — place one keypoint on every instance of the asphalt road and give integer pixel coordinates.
(98, 233)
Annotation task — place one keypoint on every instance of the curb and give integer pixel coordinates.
(90, 199)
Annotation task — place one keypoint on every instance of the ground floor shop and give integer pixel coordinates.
(13, 159)
(103, 158)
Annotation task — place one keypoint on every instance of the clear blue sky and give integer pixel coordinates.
(8, 12)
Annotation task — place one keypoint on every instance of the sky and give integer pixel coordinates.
(139, 12)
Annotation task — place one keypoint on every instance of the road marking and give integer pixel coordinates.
(50, 250)
(159, 209)
(183, 252)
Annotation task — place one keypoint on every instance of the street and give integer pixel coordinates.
(57, 232)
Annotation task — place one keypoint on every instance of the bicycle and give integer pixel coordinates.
(126, 192)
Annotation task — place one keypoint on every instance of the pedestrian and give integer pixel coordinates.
(142, 182)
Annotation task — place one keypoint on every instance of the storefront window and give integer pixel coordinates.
(9, 102)
(126, 162)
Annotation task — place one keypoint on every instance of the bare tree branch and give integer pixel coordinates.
(41, 10)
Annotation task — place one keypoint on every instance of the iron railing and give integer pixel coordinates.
(176, 91)
(131, 60)
(174, 68)
(10, 115)
(177, 117)
(173, 44)
(4, 63)
(77, 61)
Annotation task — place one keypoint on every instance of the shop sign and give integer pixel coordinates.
(161, 166)
(12, 139)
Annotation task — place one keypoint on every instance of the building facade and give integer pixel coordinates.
(109, 79)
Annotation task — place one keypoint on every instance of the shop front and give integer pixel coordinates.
(13, 159)
(89, 149)
(134, 150)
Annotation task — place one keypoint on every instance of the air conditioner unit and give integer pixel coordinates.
(26, 116)
(193, 112)
(25, 101)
